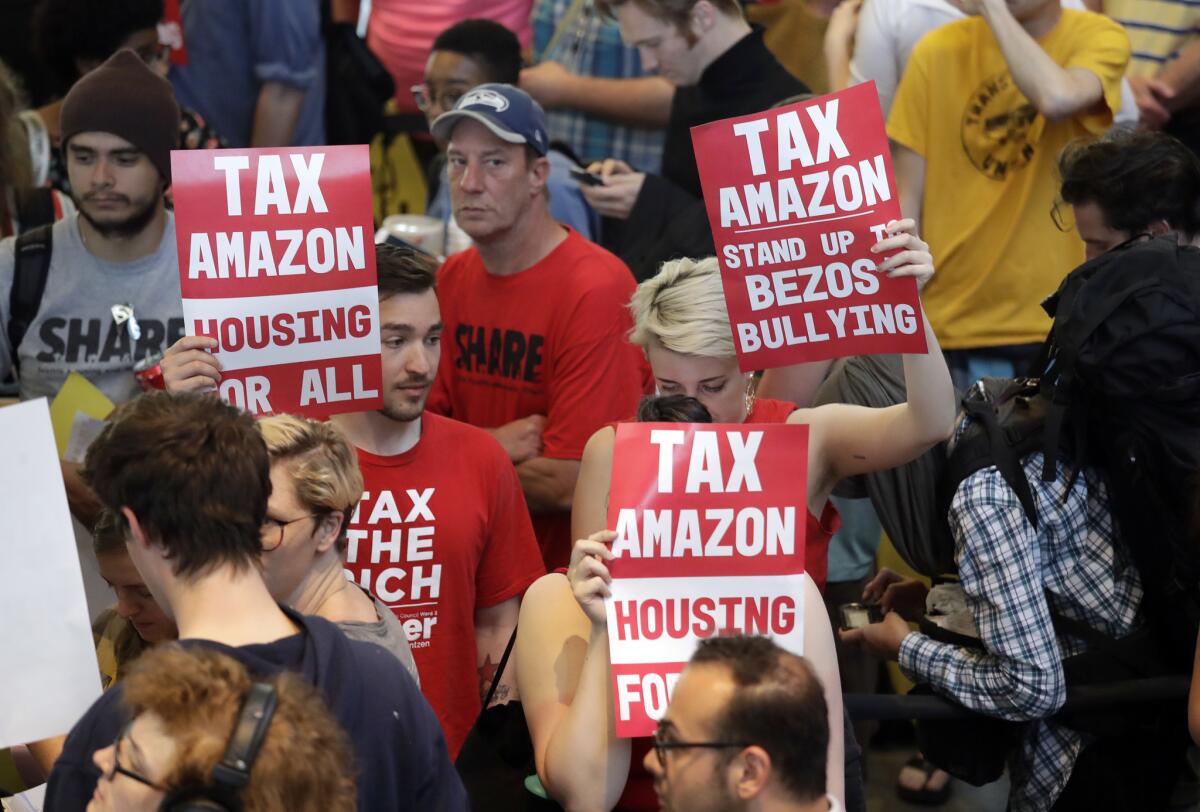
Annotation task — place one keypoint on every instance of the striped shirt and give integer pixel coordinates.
(1158, 30)
(590, 45)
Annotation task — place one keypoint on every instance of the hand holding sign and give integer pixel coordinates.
(278, 269)
(710, 529)
(797, 196)
(588, 574)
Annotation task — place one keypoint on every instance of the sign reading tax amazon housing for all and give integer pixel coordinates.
(710, 523)
(277, 264)
(796, 197)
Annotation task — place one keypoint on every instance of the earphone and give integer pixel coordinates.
(223, 792)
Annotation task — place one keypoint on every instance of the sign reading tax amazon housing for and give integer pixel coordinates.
(278, 265)
(710, 522)
(796, 197)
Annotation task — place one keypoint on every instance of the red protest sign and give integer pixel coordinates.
(710, 523)
(277, 263)
(796, 197)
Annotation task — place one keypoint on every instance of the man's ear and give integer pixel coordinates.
(749, 773)
(1158, 228)
(539, 168)
(702, 18)
(137, 533)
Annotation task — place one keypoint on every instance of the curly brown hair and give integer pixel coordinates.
(306, 763)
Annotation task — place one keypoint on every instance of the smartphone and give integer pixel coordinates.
(857, 615)
(585, 177)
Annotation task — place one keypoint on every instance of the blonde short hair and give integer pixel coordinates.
(322, 465)
(682, 307)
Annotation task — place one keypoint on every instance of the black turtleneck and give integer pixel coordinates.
(745, 79)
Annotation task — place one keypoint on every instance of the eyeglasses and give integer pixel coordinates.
(424, 97)
(271, 533)
(662, 745)
(1061, 221)
(116, 763)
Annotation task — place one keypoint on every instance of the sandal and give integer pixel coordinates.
(935, 788)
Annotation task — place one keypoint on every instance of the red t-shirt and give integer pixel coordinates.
(818, 531)
(442, 530)
(550, 340)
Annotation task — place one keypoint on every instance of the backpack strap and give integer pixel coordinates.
(31, 266)
(1004, 457)
(34, 207)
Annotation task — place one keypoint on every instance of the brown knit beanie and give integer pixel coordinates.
(124, 97)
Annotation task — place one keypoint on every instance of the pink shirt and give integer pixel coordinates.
(401, 33)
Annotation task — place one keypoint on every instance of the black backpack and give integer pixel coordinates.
(31, 265)
(1121, 363)
(1119, 391)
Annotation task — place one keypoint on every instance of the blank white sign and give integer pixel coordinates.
(50, 676)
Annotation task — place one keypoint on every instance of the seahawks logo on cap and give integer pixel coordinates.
(488, 98)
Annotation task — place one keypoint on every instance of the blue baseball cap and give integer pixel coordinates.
(509, 112)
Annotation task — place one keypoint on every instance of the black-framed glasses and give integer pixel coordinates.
(424, 97)
(271, 533)
(1062, 221)
(116, 763)
(662, 745)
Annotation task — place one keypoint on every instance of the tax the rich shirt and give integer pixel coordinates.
(552, 340)
(441, 531)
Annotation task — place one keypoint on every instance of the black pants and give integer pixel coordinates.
(1125, 773)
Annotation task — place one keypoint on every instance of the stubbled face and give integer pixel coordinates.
(1098, 237)
(493, 184)
(116, 187)
(715, 382)
(411, 332)
(144, 749)
(694, 779)
(134, 601)
(662, 47)
(448, 77)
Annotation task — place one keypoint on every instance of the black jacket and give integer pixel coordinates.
(668, 219)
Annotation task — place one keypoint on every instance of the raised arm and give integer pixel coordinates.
(643, 101)
(1057, 93)
(562, 657)
(848, 440)
(819, 651)
(565, 677)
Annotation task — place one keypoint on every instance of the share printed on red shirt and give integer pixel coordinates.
(796, 197)
(277, 263)
(710, 522)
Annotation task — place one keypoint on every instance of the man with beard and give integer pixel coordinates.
(746, 731)
(99, 290)
(442, 534)
(111, 286)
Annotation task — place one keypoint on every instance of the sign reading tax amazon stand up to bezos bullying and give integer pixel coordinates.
(796, 197)
(710, 523)
(277, 261)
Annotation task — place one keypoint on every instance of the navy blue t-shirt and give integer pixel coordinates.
(401, 757)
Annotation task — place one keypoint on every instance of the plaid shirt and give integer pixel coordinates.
(591, 46)
(1011, 575)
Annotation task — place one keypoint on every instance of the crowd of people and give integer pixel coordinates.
(321, 614)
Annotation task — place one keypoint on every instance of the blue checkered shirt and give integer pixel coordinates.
(1011, 575)
(591, 46)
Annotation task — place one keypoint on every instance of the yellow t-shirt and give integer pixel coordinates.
(990, 177)
(1157, 30)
